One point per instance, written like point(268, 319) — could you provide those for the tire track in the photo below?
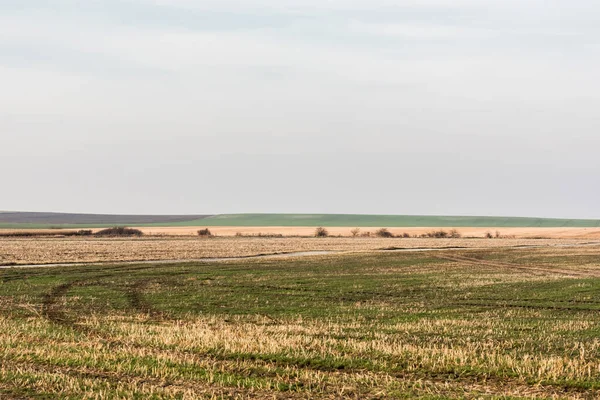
point(56, 312)
point(500, 264)
point(491, 384)
point(51, 307)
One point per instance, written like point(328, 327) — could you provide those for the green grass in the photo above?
point(356, 220)
point(351, 220)
point(395, 325)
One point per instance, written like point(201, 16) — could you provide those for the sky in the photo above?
point(430, 107)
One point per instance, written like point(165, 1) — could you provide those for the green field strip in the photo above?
point(355, 220)
point(342, 220)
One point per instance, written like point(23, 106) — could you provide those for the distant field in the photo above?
point(355, 220)
point(40, 220)
point(483, 324)
point(55, 220)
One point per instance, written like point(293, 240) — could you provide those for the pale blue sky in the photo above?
point(389, 107)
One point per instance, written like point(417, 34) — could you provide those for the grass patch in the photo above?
point(393, 325)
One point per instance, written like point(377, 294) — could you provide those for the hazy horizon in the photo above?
point(432, 107)
point(292, 213)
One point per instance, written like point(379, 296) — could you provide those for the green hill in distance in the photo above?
point(389, 221)
point(15, 220)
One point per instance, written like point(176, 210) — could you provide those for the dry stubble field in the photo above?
point(493, 322)
point(76, 250)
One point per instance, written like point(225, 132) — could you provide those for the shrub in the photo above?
point(321, 232)
point(436, 234)
point(269, 235)
point(406, 235)
point(488, 235)
point(205, 232)
point(83, 232)
point(119, 231)
point(355, 232)
point(454, 234)
point(384, 233)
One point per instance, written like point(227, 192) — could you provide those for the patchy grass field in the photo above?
point(488, 323)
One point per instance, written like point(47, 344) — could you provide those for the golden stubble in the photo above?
point(75, 250)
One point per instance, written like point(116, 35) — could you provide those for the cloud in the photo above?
point(379, 88)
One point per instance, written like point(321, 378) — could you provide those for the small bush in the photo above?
point(436, 234)
point(269, 235)
point(384, 233)
point(119, 231)
point(205, 232)
point(454, 234)
point(355, 232)
point(488, 235)
point(321, 232)
point(406, 235)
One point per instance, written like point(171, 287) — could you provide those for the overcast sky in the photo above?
point(462, 107)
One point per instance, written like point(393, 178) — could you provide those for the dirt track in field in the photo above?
point(69, 250)
point(520, 267)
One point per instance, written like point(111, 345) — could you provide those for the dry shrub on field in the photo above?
point(384, 233)
point(441, 234)
point(205, 232)
point(321, 232)
point(259, 234)
point(406, 235)
point(355, 232)
point(269, 235)
point(119, 231)
point(454, 234)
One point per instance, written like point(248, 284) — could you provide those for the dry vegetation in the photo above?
point(274, 231)
point(490, 323)
point(75, 249)
point(555, 233)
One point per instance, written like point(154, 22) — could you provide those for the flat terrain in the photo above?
point(291, 231)
point(518, 233)
point(77, 250)
point(48, 220)
point(390, 221)
point(15, 220)
point(487, 323)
